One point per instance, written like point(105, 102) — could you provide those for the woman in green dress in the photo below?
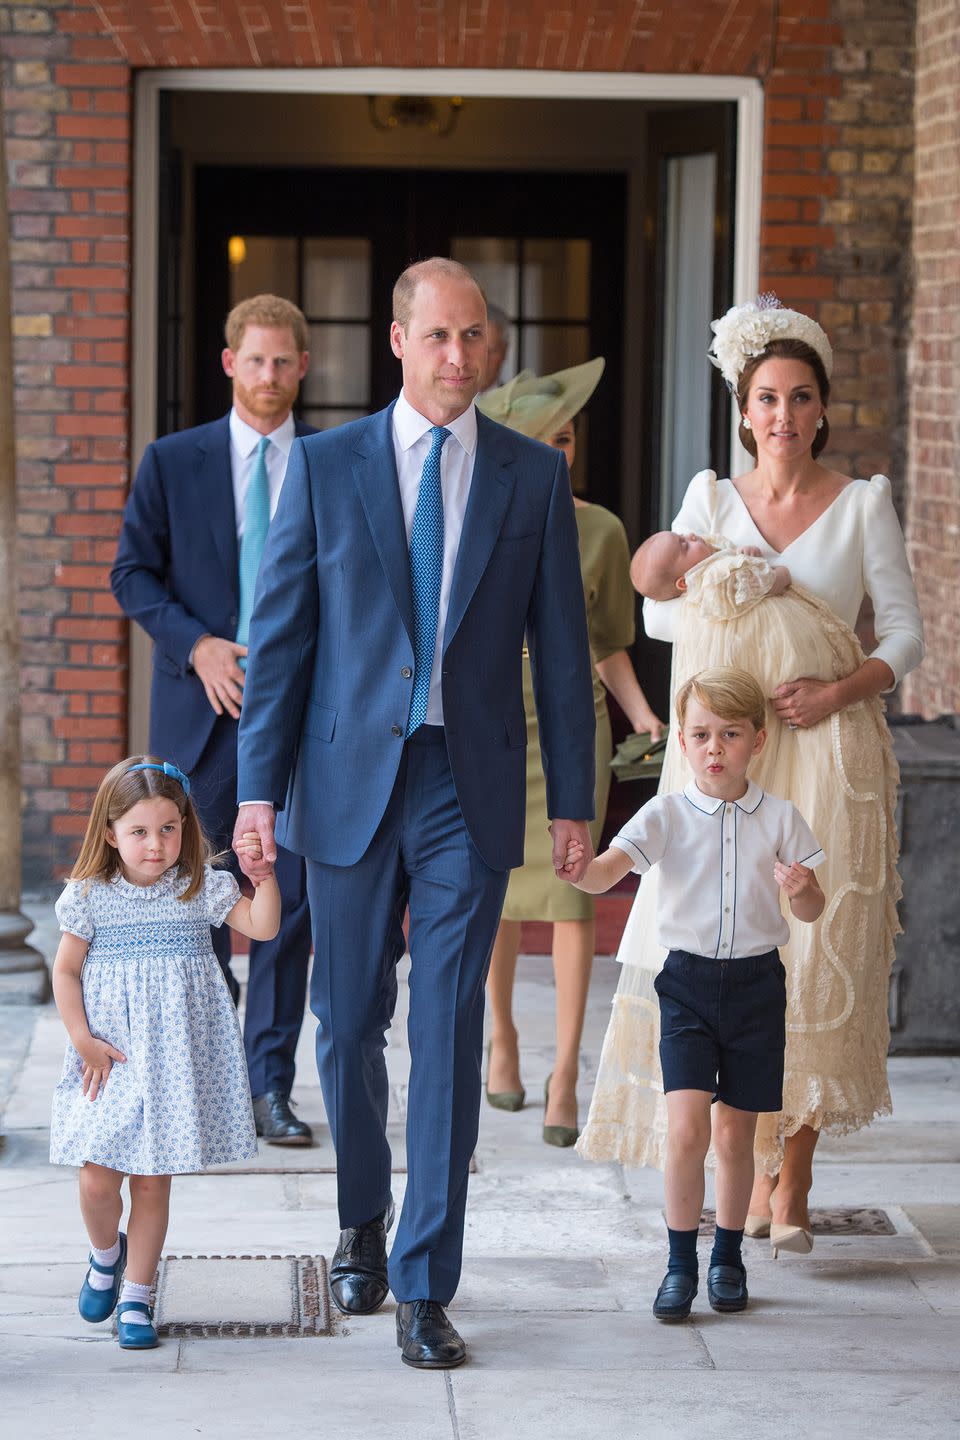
point(545, 407)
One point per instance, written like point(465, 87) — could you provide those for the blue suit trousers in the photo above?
point(422, 856)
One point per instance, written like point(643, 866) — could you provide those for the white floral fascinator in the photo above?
point(746, 331)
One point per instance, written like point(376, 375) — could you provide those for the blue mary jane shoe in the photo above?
point(135, 1334)
point(98, 1305)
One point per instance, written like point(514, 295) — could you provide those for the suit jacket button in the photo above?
point(233, 619)
point(395, 730)
point(406, 672)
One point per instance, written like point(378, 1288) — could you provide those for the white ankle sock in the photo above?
point(139, 1295)
point(103, 1257)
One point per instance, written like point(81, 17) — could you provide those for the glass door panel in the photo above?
point(691, 186)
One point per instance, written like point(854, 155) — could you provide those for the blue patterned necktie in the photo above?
point(426, 572)
point(256, 523)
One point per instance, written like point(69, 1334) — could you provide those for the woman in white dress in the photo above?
point(840, 538)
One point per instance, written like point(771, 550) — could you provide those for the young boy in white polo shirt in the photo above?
point(726, 849)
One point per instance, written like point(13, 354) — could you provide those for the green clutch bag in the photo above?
point(639, 758)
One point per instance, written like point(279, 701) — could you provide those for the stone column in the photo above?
point(23, 972)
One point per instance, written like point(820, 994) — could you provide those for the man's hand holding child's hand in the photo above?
point(250, 846)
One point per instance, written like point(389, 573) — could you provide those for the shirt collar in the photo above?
point(245, 439)
point(710, 804)
point(410, 426)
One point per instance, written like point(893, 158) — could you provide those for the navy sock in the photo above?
point(683, 1252)
point(726, 1247)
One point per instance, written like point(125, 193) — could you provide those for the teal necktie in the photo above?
point(256, 523)
point(426, 573)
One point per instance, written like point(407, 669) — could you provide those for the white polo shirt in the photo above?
point(717, 894)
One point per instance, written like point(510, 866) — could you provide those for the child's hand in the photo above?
point(250, 846)
point(98, 1059)
point(572, 858)
point(753, 550)
point(795, 879)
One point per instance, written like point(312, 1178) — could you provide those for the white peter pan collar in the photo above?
point(710, 804)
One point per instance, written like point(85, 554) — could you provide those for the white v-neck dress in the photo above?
point(840, 775)
point(854, 548)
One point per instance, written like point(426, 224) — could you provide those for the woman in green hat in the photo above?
point(544, 408)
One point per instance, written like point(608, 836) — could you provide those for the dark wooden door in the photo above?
point(548, 248)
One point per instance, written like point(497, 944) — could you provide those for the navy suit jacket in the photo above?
point(329, 677)
point(177, 574)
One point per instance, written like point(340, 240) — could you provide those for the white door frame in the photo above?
point(746, 93)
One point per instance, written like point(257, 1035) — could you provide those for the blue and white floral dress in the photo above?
point(153, 989)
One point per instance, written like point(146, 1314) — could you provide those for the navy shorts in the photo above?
point(723, 1027)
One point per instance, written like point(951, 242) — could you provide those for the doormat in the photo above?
point(226, 1296)
point(841, 1220)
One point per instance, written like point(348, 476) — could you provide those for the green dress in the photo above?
point(534, 892)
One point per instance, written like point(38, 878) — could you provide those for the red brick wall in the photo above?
point(66, 96)
point(934, 514)
point(835, 227)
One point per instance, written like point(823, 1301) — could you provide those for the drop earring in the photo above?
point(745, 422)
point(820, 423)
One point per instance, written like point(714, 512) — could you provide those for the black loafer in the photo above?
point(727, 1287)
point(358, 1275)
point(276, 1122)
point(426, 1338)
point(675, 1296)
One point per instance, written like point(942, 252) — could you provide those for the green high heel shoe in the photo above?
point(503, 1099)
point(562, 1136)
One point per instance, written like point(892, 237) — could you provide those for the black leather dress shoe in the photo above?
point(675, 1296)
point(358, 1275)
point(727, 1287)
point(426, 1338)
point(276, 1122)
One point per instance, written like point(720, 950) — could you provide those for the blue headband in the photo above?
point(165, 769)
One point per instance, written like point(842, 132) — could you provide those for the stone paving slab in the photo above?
point(939, 1284)
point(830, 1343)
point(696, 1404)
point(940, 1227)
point(398, 1404)
point(897, 1142)
point(509, 1284)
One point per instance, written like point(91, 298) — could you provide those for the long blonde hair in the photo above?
point(122, 788)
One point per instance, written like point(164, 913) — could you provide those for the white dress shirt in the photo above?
point(411, 446)
point(243, 450)
point(855, 547)
point(717, 894)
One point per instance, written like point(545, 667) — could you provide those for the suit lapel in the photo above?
point(491, 490)
point(215, 494)
point(375, 472)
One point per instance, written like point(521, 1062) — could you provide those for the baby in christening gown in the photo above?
point(740, 610)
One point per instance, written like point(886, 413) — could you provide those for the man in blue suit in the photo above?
point(383, 719)
point(193, 534)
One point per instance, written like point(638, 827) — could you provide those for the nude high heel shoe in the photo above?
point(790, 1237)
